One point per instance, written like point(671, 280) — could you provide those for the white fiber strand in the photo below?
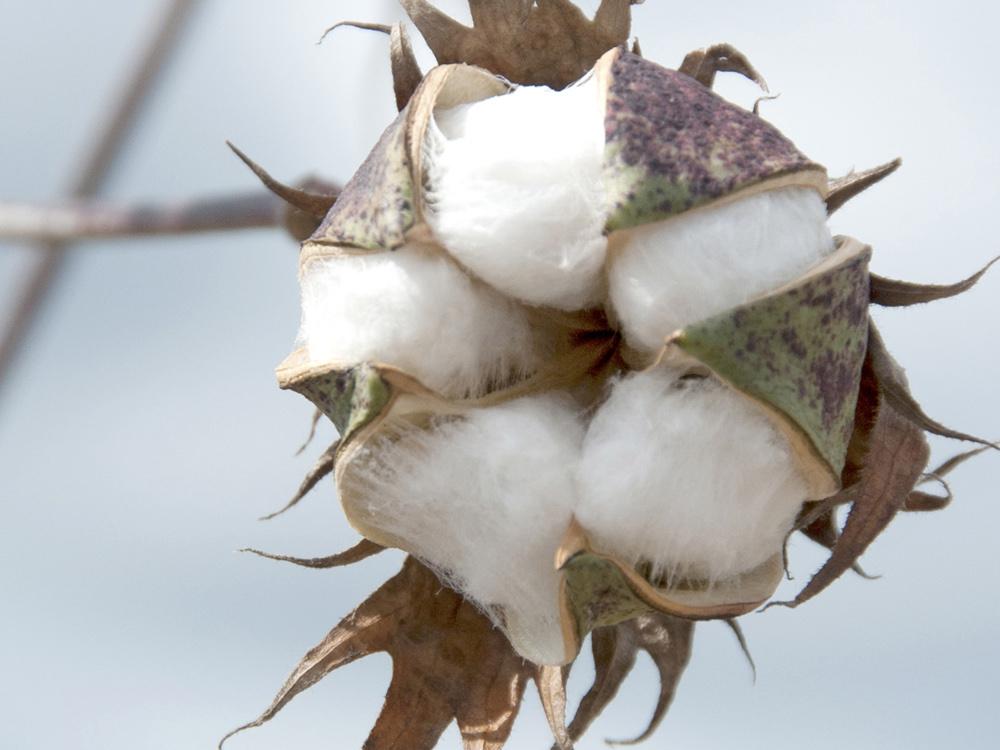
point(485, 501)
point(688, 268)
point(418, 312)
point(688, 475)
point(516, 192)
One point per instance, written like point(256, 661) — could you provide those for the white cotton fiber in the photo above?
point(485, 501)
point(688, 475)
point(676, 272)
point(418, 312)
point(516, 192)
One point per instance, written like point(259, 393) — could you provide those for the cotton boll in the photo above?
point(485, 501)
point(673, 273)
point(688, 475)
point(418, 312)
point(516, 192)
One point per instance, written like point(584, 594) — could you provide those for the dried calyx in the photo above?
point(593, 356)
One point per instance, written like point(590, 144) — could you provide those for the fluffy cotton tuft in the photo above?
point(420, 313)
point(688, 475)
point(485, 501)
point(676, 272)
point(516, 192)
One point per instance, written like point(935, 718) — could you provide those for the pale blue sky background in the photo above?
point(142, 433)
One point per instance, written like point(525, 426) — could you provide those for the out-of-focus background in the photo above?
point(142, 433)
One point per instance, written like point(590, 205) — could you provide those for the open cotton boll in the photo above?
point(485, 501)
point(418, 312)
point(688, 475)
point(516, 193)
point(676, 272)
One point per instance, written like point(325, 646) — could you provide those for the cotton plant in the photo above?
point(593, 356)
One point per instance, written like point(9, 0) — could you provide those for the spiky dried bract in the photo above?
point(448, 663)
point(535, 42)
point(843, 189)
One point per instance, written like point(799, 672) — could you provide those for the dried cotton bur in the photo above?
point(593, 356)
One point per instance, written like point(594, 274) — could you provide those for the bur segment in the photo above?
point(799, 351)
point(375, 209)
point(351, 398)
point(673, 145)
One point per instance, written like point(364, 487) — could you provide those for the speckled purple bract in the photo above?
point(673, 144)
point(799, 350)
point(375, 209)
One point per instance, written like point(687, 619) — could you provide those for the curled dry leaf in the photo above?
point(668, 641)
point(703, 64)
point(897, 453)
point(360, 551)
point(922, 502)
point(324, 466)
point(406, 73)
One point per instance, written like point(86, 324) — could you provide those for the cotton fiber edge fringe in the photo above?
point(485, 500)
point(516, 192)
point(688, 475)
point(676, 272)
point(418, 312)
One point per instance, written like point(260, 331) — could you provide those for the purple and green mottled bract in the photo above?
point(672, 145)
point(799, 350)
point(351, 398)
point(375, 209)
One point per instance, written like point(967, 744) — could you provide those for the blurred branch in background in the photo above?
point(94, 173)
point(83, 220)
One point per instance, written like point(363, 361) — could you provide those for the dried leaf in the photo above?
point(406, 72)
point(923, 502)
point(360, 551)
point(897, 455)
point(741, 639)
point(668, 640)
point(893, 386)
point(323, 466)
point(449, 662)
point(703, 64)
point(548, 42)
point(615, 650)
point(926, 502)
point(313, 204)
point(893, 293)
point(314, 423)
point(844, 188)
point(825, 532)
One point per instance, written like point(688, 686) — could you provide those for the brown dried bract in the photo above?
point(703, 64)
point(536, 42)
point(448, 662)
